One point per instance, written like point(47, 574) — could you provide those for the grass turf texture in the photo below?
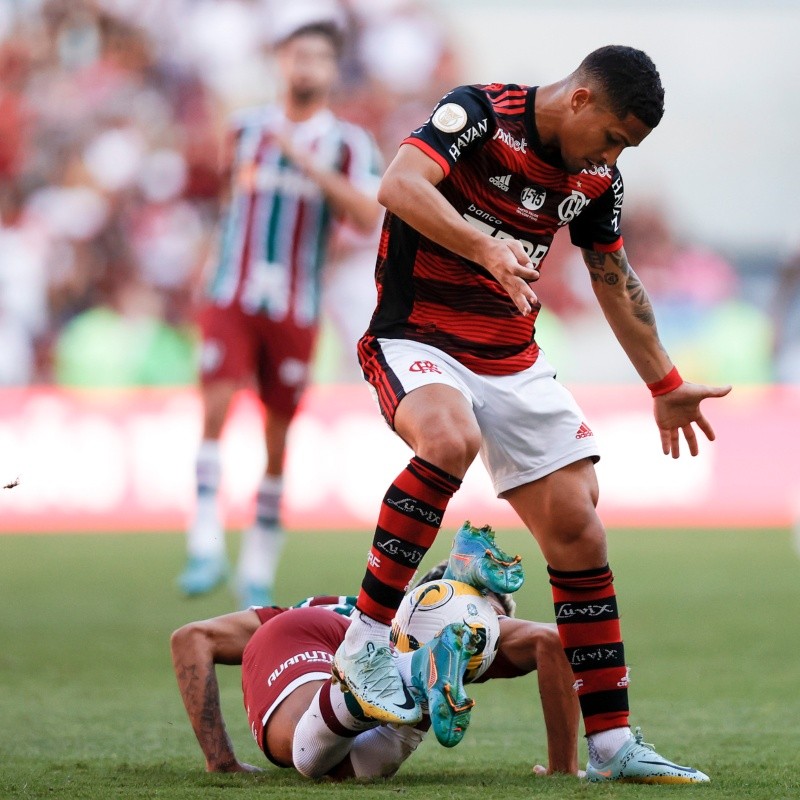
point(89, 707)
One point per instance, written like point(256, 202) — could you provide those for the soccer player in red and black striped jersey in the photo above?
point(474, 198)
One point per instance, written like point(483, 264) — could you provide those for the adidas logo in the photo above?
point(501, 182)
point(584, 431)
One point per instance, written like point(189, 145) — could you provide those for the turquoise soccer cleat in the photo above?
point(202, 575)
point(476, 559)
point(254, 594)
point(637, 762)
point(372, 677)
point(437, 671)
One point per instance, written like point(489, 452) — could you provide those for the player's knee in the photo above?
point(311, 760)
point(450, 445)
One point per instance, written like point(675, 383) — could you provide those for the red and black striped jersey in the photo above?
point(499, 177)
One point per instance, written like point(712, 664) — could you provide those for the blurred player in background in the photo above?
point(474, 198)
point(293, 169)
point(301, 718)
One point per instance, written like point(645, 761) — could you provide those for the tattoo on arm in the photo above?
point(594, 260)
point(201, 697)
point(642, 308)
point(212, 725)
point(610, 268)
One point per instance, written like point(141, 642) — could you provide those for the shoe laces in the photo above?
point(639, 738)
point(378, 671)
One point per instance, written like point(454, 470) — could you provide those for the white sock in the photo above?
point(404, 666)
point(205, 537)
point(260, 554)
point(364, 629)
point(268, 501)
point(326, 731)
point(604, 745)
point(380, 752)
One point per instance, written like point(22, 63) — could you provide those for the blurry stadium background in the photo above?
point(110, 118)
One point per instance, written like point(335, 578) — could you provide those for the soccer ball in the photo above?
point(432, 606)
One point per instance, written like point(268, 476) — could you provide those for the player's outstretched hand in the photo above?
point(679, 411)
point(509, 263)
point(233, 766)
point(541, 772)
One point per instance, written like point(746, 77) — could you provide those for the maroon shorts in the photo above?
point(239, 346)
point(288, 650)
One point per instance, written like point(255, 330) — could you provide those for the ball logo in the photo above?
point(533, 198)
point(431, 596)
point(450, 118)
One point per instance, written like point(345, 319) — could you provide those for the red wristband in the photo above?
point(671, 381)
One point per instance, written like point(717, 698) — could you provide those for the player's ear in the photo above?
point(580, 98)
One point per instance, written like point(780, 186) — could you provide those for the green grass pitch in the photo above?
point(89, 707)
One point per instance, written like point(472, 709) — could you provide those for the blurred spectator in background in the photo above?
point(111, 115)
point(786, 318)
point(107, 194)
point(696, 294)
point(292, 167)
point(398, 61)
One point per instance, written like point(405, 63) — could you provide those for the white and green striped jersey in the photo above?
point(275, 231)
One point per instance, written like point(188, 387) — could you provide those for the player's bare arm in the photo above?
point(408, 189)
point(359, 208)
point(196, 649)
point(536, 646)
point(627, 308)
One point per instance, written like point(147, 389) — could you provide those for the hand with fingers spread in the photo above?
point(232, 766)
point(679, 411)
point(508, 262)
point(540, 771)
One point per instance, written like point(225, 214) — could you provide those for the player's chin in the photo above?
point(574, 166)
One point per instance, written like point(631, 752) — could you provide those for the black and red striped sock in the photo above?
point(410, 518)
point(588, 624)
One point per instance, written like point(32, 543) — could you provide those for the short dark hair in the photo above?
point(629, 80)
point(435, 574)
point(330, 30)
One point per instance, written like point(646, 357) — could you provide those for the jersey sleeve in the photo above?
point(266, 613)
point(462, 121)
point(598, 227)
point(339, 604)
point(361, 161)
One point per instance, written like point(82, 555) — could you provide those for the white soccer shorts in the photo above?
point(530, 424)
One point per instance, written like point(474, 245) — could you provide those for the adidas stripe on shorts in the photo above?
point(530, 424)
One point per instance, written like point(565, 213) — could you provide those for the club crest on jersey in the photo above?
point(571, 206)
point(450, 118)
point(533, 197)
point(424, 366)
